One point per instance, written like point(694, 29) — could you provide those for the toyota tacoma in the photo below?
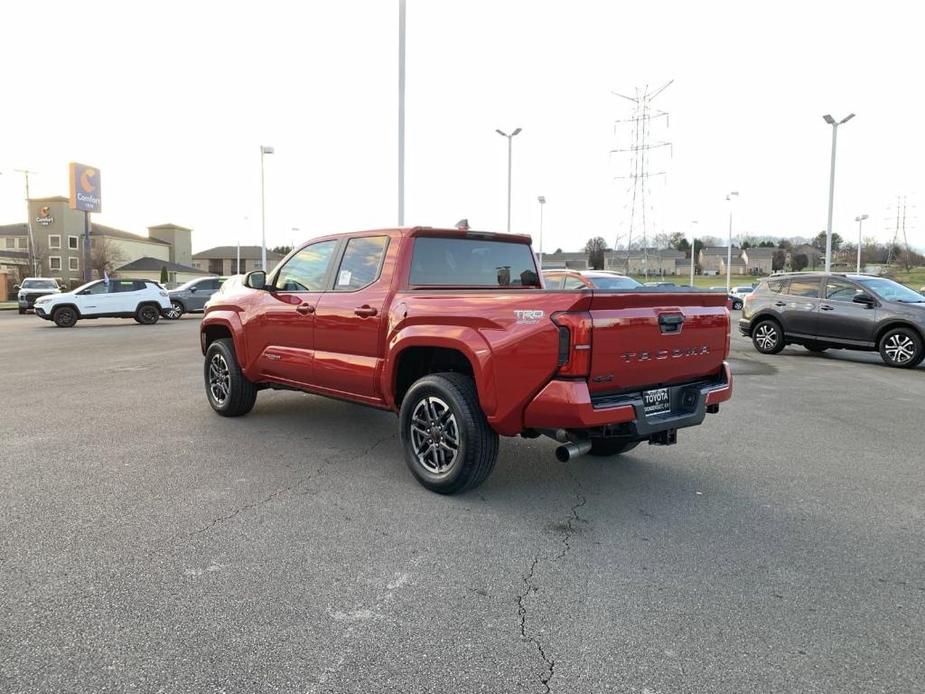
point(453, 331)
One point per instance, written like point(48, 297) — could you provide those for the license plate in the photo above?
point(656, 401)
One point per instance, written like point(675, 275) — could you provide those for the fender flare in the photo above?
point(462, 339)
point(231, 321)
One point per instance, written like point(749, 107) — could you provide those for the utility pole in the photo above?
point(510, 139)
point(860, 220)
point(693, 247)
point(401, 112)
point(32, 253)
point(729, 198)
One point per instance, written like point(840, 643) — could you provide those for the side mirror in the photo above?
point(16, 286)
point(256, 279)
point(865, 299)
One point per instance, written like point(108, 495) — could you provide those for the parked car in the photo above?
point(592, 279)
point(660, 284)
point(31, 289)
point(192, 296)
point(841, 311)
point(449, 328)
point(734, 302)
point(143, 300)
point(742, 291)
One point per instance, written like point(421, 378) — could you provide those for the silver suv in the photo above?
point(192, 296)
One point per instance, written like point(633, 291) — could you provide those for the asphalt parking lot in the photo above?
point(147, 544)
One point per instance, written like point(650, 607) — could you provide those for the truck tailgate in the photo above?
point(642, 339)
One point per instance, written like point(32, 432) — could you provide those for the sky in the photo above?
point(172, 100)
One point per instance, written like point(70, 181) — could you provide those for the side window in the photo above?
point(808, 288)
point(306, 270)
point(776, 286)
point(121, 286)
point(574, 283)
point(361, 263)
point(98, 288)
point(553, 281)
point(840, 290)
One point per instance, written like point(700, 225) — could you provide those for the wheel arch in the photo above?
point(65, 305)
point(892, 323)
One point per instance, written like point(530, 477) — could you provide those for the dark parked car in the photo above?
point(192, 296)
point(734, 302)
point(840, 311)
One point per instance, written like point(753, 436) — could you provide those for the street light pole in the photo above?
point(542, 200)
point(510, 139)
point(693, 248)
point(828, 229)
point(729, 197)
point(401, 112)
point(264, 150)
point(860, 220)
point(32, 253)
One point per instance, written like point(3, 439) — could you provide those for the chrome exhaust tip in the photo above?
point(569, 451)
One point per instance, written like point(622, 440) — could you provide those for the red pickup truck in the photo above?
point(453, 331)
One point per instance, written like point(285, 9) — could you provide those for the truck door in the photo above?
point(349, 319)
point(282, 325)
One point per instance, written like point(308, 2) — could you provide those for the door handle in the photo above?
point(781, 304)
point(365, 311)
point(826, 307)
point(305, 309)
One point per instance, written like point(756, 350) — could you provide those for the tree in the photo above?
point(784, 244)
point(766, 244)
point(819, 241)
point(104, 255)
point(778, 260)
point(165, 278)
point(679, 242)
point(746, 244)
point(558, 250)
point(799, 262)
point(281, 250)
point(595, 248)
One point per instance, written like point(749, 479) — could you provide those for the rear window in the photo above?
point(472, 262)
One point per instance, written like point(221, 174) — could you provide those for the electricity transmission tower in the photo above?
point(900, 229)
point(639, 209)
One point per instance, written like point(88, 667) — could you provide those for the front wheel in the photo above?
point(448, 443)
point(64, 317)
point(612, 446)
point(767, 337)
point(175, 311)
point(148, 314)
point(902, 348)
point(227, 388)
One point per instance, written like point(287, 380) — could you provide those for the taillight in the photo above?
point(574, 342)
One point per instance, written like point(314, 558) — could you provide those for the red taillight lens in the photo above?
point(574, 342)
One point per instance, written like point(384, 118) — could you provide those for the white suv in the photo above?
point(143, 300)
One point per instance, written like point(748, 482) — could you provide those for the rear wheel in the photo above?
point(148, 314)
point(21, 310)
point(448, 443)
point(227, 388)
point(902, 348)
point(768, 337)
point(608, 447)
point(64, 317)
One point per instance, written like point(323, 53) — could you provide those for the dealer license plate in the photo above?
point(656, 401)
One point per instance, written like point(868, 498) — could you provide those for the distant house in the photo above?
point(713, 260)
point(149, 268)
point(639, 261)
point(759, 261)
point(221, 260)
point(577, 260)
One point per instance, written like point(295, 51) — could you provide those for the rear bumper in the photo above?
point(745, 327)
point(568, 405)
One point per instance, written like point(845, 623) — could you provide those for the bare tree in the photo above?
point(595, 248)
point(105, 255)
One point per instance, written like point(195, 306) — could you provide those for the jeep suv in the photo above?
point(837, 311)
point(143, 300)
point(192, 296)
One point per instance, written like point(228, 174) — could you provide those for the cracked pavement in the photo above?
point(148, 545)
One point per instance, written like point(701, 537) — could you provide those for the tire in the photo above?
point(227, 389)
point(613, 446)
point(22, 311)
point(768, 337)
point(817, 349)
point(737, 306)
point(901, 348)
point(64, 316)
point(450, 404)
point(175, 311)
point(147, 314)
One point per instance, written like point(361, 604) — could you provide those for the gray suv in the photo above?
point(192, 296)
point(839, 311)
